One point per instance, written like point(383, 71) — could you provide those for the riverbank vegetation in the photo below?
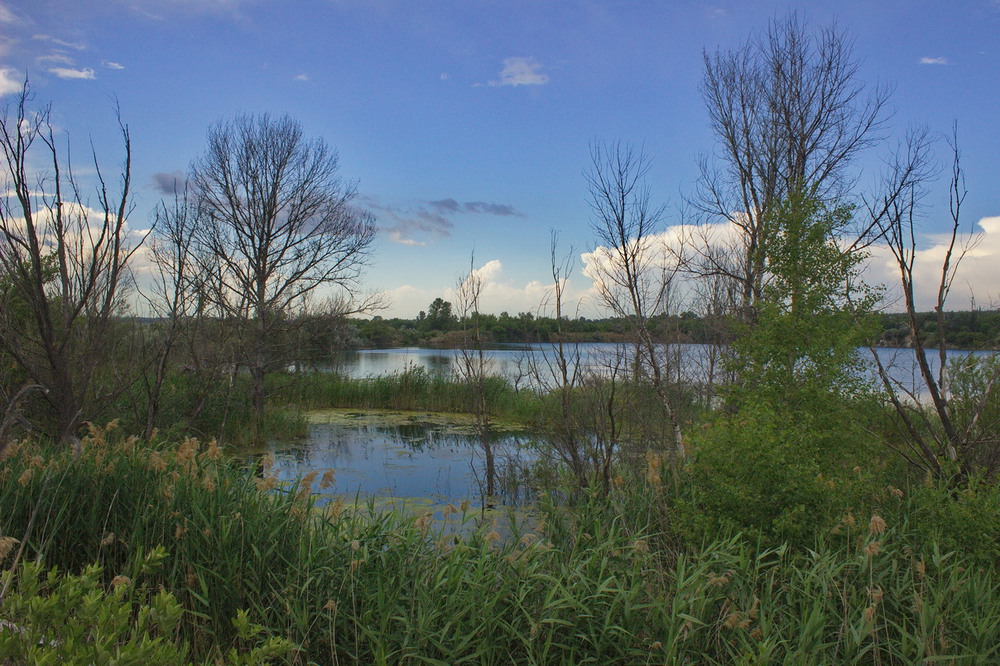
point(219, 564)
point(774, 505)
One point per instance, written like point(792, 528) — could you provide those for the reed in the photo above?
point(601, 579)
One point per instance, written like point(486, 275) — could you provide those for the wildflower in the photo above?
point(37, 461)
point(330, 606)
point(876, 594)
point(493, 536)
point(120, 580)
point(757, 634)
point(465, 506)
point(109, 538)
point(656, 645)
point(921, 568)
point(355, 544)
point(870, 613)
point(895, 492)
point(208, 483)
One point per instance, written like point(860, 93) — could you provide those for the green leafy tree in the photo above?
point(781, 460)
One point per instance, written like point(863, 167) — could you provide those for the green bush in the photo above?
point(790, 477)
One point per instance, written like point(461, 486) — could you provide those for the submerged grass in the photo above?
point(601, 580)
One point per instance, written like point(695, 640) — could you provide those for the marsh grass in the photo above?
point(412, 389)
point(601, 579)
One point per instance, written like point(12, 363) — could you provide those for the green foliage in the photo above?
point(814, 313)
point(53, 618)
point(265, 576)
point(789, 476)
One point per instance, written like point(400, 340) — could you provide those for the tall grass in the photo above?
point(412, 389)
point(599, 581)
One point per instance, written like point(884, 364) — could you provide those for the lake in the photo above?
point(434, 460)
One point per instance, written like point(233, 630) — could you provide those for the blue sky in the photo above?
point(466, 124)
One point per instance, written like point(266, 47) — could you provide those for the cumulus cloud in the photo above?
point(978, 275)
point(11, 81)
point(70, 73)
point(521, 72)
point(502, 294)
point(926, 60)
point(112, 65)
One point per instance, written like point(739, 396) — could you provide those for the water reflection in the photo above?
point(385, 455)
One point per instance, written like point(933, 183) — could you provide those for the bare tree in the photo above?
point(65, 258)
point(474, 367)
point(277, 224)
point(789, 114)
point(944, 440)
point(175, 291)
point(633, 270)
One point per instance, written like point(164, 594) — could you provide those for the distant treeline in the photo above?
point(975, 329)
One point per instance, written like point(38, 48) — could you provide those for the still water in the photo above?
point(435, 460)
point(394, 457)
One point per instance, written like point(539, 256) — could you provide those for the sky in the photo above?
point(467, 124)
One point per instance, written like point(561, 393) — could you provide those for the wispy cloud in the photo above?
point(112, 65)
point(521, 72)
point(301, 77)
point(11, 81)
point(54, 59)
point(7, 16)
point(423, 222)
point(926, 60)
point(60, 42)
point(70, 73)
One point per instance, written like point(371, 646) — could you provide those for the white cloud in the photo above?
point(521, 72)
point(978, 274)
point(112, 65)
point(7, 16)
point(933, 61)
point(69, 73)
point(54, 59)
point(60, 42)
point(444, 76)
point(301, 77)
point(11, 81)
